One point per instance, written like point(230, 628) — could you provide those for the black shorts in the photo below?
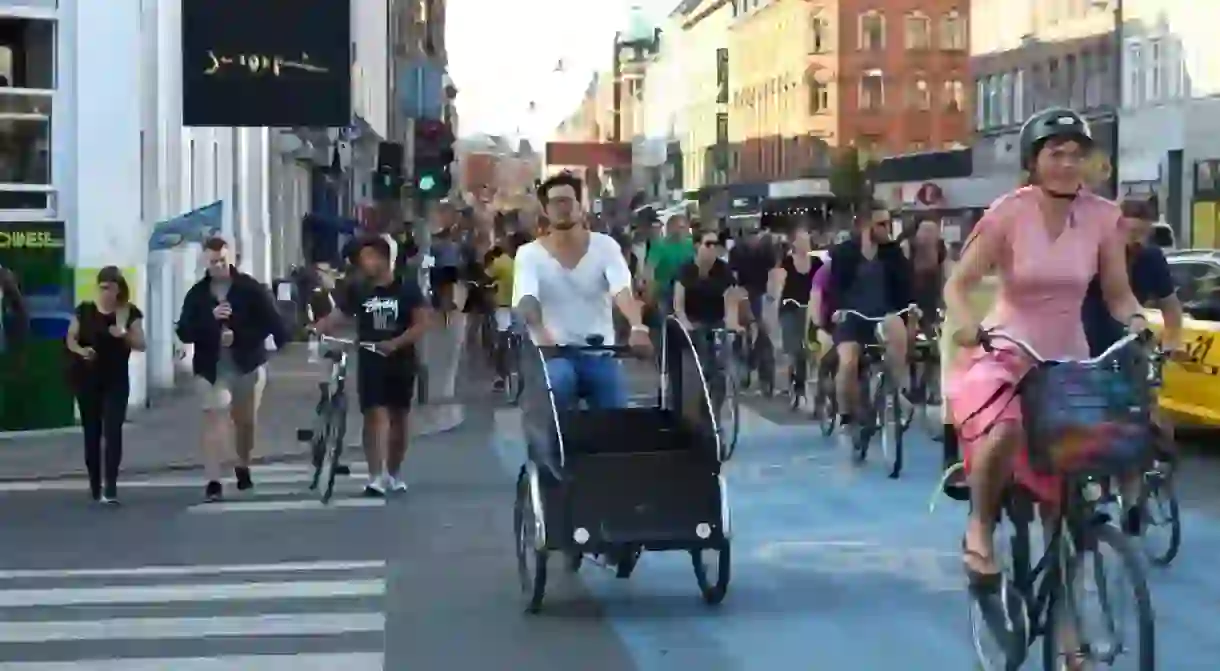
point(385, 383)
point(855, 329)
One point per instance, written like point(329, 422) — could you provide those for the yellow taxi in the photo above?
point(1191, 393)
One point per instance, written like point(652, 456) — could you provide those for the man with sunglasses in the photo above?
point(869, 274)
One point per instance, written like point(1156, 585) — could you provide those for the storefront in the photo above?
point(937, 185)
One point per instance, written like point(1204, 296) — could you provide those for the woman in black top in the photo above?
point(101, 338)
point(706, 296)
point(702, 292)
point(792, 280)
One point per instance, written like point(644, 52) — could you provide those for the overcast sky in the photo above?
point(502, 57)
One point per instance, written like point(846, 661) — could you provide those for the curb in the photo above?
point(182, 466)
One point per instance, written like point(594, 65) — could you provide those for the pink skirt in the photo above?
point(980, 394)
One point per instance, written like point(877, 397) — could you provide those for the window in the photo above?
point(955, 95)
point(980, 103)
point(1054, 86)
point(819, 96)
point(920, 97)
point(869, 147)
point(27, 92)
point(1135, 75)
point(819, 34)
point(1005, 101)
point(953, 32)
point(872, 31)
point(993, 100)
point(1018, 96)
point(918, 31)
point(1071, 82)
point(1156, 79)
point(872, 91)
point(1198, 285)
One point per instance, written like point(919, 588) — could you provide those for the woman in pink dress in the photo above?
point(1044, 242)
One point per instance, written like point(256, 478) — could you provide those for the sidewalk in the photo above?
point(166, 436)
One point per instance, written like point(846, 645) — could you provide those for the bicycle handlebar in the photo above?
point(987, 338)
point(793, 301)
point(347, 342)
point(840, 314)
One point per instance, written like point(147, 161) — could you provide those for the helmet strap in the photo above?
point(1061, 196)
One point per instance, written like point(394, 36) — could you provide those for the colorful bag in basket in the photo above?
point(1085, 419)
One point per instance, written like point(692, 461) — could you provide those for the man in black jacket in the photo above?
point(228, 317)
point(869, 274)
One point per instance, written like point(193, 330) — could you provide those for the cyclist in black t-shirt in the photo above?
point(392, 313)
point(705, 297)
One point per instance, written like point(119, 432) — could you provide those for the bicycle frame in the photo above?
point(1042, 583)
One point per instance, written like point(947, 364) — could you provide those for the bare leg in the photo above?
point(991, 467)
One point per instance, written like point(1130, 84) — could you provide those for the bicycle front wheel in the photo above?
point(1161, 518)
point(728, 419)
point(337, 421)
point(1095, 636)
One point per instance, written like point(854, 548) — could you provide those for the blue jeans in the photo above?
point(597, 378)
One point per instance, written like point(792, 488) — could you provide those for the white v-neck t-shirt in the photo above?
point(576, 303)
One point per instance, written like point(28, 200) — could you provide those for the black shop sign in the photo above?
point(274, 63)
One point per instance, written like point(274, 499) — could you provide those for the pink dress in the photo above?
point(1042, 285)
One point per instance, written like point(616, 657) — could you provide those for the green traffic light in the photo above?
point(427, 183)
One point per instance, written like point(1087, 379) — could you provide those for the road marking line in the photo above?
point(163, 628)
point(250, 591)
point(167, 482)
point(196, 569)
point(282, 505)
point(352, 661)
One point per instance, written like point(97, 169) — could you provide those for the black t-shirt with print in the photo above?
point(384, 312)
point(705, 293)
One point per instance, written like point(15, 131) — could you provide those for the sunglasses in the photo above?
point(711, 243)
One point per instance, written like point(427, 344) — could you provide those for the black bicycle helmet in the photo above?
point(1054, 123)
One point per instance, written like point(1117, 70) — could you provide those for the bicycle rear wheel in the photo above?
point(1067, 627)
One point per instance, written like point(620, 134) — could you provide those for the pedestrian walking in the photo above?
point(228, 316)
point(14, 326)
point(101, 337)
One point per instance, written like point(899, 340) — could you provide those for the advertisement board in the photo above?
point(253, 63)
point(34, 393)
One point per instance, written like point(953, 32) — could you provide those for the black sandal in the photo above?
point(980, 582)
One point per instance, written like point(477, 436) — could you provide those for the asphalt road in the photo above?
point(834, 567)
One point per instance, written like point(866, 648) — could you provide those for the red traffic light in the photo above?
point(431, 128)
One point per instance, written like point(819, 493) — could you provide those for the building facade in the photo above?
point(1028, 55)
point(704, 54)
point(1169, 124)
point(887, 77)
point(96, 150)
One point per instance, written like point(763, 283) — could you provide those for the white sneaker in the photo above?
point(393, 484)
point(375, 487)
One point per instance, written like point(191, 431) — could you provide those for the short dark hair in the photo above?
point(1143, 208)
point(112, 275)
point(377, 243)
point(215, 244)
point(561, 179)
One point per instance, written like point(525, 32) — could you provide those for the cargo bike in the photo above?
point(610, 484)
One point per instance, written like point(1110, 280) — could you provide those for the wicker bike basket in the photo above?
point(1086, 420)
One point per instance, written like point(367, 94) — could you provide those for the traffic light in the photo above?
point(388, 179)
point(433, 157)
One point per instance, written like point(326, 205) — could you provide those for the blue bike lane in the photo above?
point(837, 566)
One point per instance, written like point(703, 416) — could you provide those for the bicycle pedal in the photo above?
point(304, 435)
